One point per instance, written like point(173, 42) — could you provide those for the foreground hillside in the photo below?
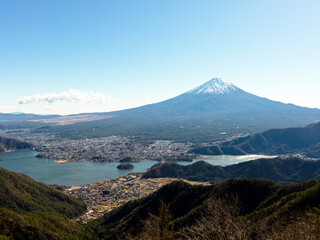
point(32, 210)
point(234, 209)
point(282, 170)
point(40, 226)
point(304, 140)
point(21, 193)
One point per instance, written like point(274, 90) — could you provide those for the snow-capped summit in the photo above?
point(215, 86)
point(204, 112)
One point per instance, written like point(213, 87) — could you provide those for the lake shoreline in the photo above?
point(62, 172)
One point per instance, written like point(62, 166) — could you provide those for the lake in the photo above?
point(77, 173)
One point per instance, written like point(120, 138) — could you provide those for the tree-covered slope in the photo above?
point(41, 226)
point(33, 210)
point(21, 193)
point(13, 144)
point(282, 170)
point(304, 140)
point(255, 206)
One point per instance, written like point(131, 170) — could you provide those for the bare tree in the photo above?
point(306, 226)
point(221, 221)
point(157, 227)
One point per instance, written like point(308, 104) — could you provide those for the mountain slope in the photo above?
point(218, 97)
point(304, 140)
point(197, 115)
point(288, 170)
point(21, 193)
point(33, 210)
point(13, 144)
point(262, 205)
point(41, 226)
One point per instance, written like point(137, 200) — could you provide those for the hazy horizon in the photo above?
point(48, 96)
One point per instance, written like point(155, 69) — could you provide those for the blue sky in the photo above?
point(139, 52)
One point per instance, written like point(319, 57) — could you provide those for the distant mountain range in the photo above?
point(217, 109)
point(304, 140)
point(19, 116)
point(282, 170)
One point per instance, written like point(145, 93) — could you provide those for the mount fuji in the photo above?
point(218, 97)
point(217, 109)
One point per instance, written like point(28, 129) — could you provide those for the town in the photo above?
point(104, 196)
point(104, 149)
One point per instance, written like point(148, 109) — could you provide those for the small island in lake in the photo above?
point(125, 166)
point(41, 155)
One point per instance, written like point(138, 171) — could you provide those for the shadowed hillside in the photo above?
point(304, 140)
point(21, 193)
point(33, 210)
point(282, 170)
point(41, 226)
point(13, 144)
point(250, 208)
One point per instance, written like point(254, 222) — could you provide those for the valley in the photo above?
point(105, 196)
point(160, 120)
point(168, 146)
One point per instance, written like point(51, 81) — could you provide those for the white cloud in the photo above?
point(72, 96)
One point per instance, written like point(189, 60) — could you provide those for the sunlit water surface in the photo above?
point(76, 173)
